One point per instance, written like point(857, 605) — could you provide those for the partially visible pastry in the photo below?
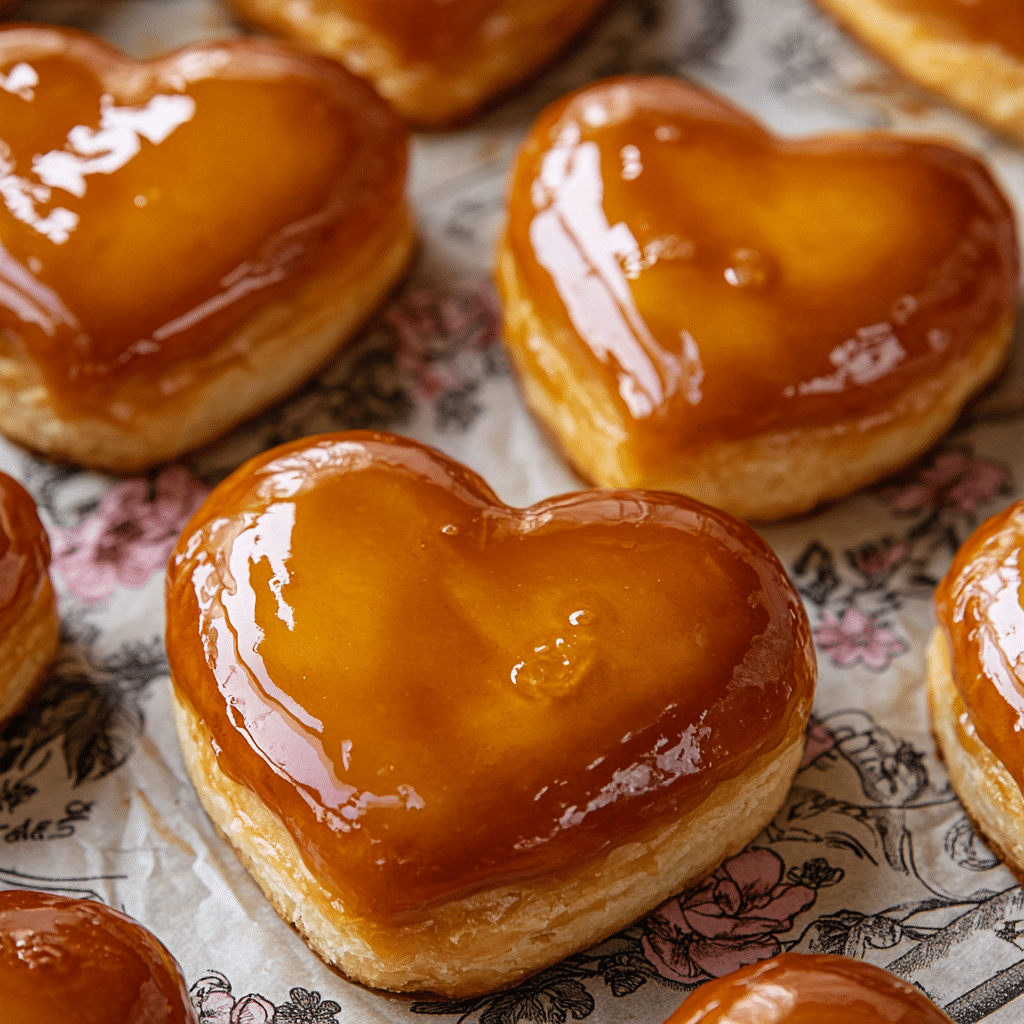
point(969, 51)
point(797, 988)
point(185, 240)
point(435, 61)
point(455, 741)
point(976, 680)
point(29, 625)
point(695, 305)
point(73, 961)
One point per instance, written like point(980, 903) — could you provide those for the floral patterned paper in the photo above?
point(871, 855)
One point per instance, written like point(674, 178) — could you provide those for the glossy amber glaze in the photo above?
point(437, 693)
point(984, 21)
point(428, 30)
point(980, 607)
point(797, 988)
point(68, 961)
point(24, 552)
point(149, 210)
point(724, 283)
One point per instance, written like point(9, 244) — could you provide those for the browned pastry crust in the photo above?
point(284, 344)
point(511, 41)
point(987, 790)
point(494, 938)
point(764, 477)
point(982, 78)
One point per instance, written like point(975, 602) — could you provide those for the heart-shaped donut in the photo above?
point(78, 961)
point(802, 988)
point(455, 741)
point(695, 305)
point(970, 51)
point(976, 680)
point(184, 240)
point(29, 623)
point(435, 61)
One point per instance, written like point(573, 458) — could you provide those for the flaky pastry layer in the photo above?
point(518, 37)
point(764, 477)
point(27, 649)
point(989, 793)
point(493, 938)
point(982, 78)
point(266, 358)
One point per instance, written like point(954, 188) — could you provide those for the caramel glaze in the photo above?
point(1000, 22)
point(24, 552)
point(148, 210)
point(725, 283)
point(67, 961)
point(440, 31)
point(797, 988)
point(438, 693)
point(980, 608)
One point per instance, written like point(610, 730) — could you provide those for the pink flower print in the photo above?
point(728, 921)
point(253, 1009)
point(875, 560)
point(212, 997)
point(129, 535)
point(955, 482)
point(819, 741)
point(856, 637)
point(435, 326)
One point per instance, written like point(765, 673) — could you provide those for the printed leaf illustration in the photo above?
point(814, 573)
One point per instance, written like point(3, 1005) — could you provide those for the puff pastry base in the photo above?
point(989, 793)
point(764, 477)
point(981, 78)
point(265, 359)
point(516, 38)
point(494, 938)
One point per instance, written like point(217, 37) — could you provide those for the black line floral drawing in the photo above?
point(213, 999)
point(857, 593)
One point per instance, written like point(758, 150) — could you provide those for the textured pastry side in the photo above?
point(983, 78)
point(279, 348)
point(771, 476)
point(491, 939)
point(986, 789)
point(428, 85)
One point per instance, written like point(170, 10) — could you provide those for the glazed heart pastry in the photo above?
point(29, 623)
point(435, 61)
point(800, 988)
point(182, 241)
point(75, 961)
point(695, 305)
point(455, 741)
point(976, 680)
point(970, 51)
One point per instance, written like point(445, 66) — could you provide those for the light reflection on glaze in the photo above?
point(79, 962)
point(138, 231)
point(462, 662)
point(278, 727)
point(796, 988)
point(979, 606)
point(725, 283)
point(87, 151)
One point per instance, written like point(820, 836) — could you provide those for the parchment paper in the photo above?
point(871, 856)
